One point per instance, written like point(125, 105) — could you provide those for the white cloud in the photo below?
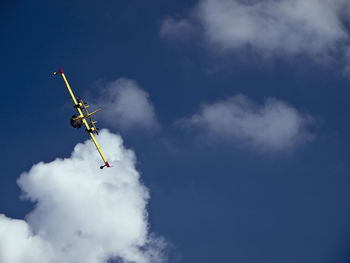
point(272, 126)
point(126, 106)
point(315, 28)
point(82, 213)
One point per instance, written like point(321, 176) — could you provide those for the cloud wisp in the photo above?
point(274, 126)
point(286, 28)
point(177, 29)
point(126, 106)
point(82, 213)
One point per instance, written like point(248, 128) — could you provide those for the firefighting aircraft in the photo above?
point(78, 120)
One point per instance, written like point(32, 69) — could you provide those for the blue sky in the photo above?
point(242, 136)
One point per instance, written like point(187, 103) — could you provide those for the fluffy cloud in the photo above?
point(316, 28)
point(126, 106)
point(272, 126)
point(82, 213)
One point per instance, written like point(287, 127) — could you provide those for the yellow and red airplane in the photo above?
point(78, 120)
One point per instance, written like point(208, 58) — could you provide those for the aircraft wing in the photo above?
point(79, 105)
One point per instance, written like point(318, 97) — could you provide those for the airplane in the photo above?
point(77, 121)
